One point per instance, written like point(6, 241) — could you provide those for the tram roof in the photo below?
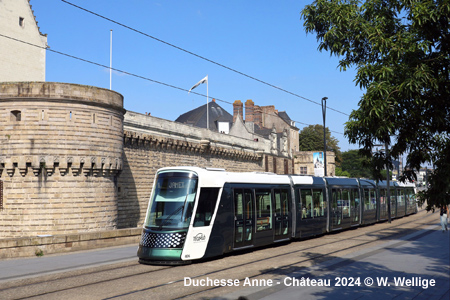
point(341, 181)
point(302, 179)
point(383, 183)
point(216, 177)
point(367, 182)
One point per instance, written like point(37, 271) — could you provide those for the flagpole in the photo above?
point(207, 108)
point(110, 60)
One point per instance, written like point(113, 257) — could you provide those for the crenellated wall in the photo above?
point(61, 150)
point(72, 162)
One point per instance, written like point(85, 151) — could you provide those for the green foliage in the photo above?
point(355, 164)
point(311, 139)
point(39, 252)
point(401, 51)
point(339, 172)
point(358, 166)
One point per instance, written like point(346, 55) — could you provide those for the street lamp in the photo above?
point(324, 112)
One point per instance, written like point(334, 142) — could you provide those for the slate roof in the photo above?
point(197, 117)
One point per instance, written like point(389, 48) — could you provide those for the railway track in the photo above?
point(130, 280)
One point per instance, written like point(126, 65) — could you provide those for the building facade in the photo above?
point(20, 61)
point(304, 163)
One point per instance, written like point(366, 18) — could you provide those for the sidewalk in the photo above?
point(416, 266)
point(22, 268)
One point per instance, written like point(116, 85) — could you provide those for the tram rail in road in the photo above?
point(121, 277)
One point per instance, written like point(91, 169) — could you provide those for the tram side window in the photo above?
point(281, 202)
point(319, 206)
point(373, 199)
point(369, 199)
point(400, 198)
point(355, 198)
point(366, 199)
point(263, 210)
point(239, 208)
point(411, 196)
point(307, 203)
point(383, 196)
point(345, 203)
point(206, 205)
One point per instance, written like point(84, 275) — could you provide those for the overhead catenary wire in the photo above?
point(199, 56)
point(131, 74)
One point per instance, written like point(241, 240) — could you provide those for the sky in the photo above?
point(262, 39)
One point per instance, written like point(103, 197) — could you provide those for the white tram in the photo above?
point(196, 213)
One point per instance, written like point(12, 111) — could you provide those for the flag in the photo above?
point(200, 82)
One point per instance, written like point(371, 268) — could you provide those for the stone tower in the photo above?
point(61, 150)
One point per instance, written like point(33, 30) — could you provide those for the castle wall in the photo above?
point(60, 153)
point(71, 162)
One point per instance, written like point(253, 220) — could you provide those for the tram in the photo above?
point(196, 213)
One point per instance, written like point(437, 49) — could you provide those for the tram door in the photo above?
point(243, 218)
point(281, 214)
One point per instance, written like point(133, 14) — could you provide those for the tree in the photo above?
point(355, 164)
point(339, 172)
point(311, 139)
point(400, 49)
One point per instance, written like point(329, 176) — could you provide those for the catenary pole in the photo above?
point(324, 112)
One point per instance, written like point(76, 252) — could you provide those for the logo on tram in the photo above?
point(200, 237)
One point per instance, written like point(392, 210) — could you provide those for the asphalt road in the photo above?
point(407, 249)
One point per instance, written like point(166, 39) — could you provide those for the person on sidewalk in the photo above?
point(444, 215)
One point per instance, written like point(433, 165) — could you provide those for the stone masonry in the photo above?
point(60, 153)
point(71, 162)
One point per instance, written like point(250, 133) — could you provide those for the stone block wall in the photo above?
point(304, 163)
point(70, 162)
point(60, 154)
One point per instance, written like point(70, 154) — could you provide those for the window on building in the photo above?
point(303, 170)
point(16, 115)
point(21, 22)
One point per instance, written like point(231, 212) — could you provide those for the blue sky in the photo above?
point(264, 39)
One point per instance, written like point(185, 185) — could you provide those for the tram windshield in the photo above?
point(172, 202)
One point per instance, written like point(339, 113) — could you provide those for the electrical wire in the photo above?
point(199, 56)
point(132, 74)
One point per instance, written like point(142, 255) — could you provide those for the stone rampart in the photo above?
point(61, 150)
point(71, 163)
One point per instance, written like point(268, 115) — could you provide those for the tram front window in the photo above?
point(172, 202)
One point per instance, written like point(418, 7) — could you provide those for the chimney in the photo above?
point(237, 109)
point(249, 105)
point(257, 115)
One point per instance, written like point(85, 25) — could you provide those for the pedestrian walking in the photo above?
point(444, 216)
